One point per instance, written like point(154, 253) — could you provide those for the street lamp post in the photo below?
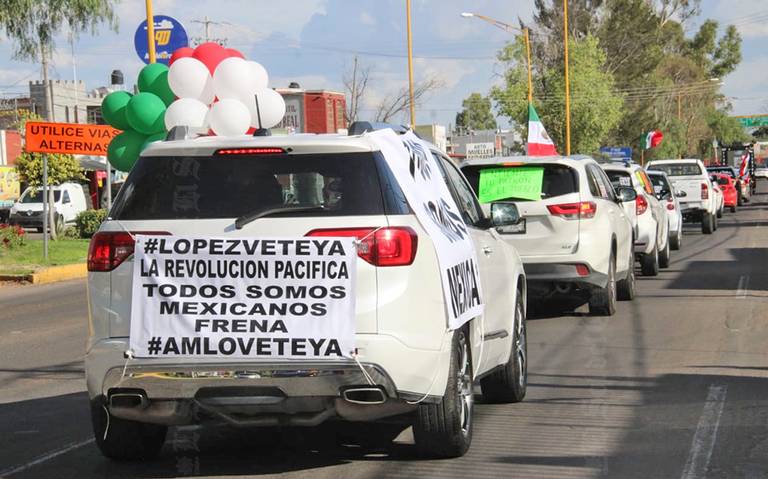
point(567, 83)
point(511, 28)
point(410, 65)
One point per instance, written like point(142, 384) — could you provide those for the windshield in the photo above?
point(619, 178)
point(724, 170)
point(677, 169)
point(660, 184)
point(556, 180)
point(37, 197)
point(228, 187)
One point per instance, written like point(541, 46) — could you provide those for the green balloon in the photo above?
point(152, 139)
point(146, 113)
point(153, 78)
point(113, 108)
point(124, 149)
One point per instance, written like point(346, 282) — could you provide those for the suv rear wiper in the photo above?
point(260, 213)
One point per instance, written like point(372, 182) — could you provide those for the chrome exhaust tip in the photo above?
point(369, 395)
point(128, 400)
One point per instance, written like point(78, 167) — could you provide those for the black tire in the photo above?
point(733, 209)
point(602, 301)
point(649, 263)
point(707, 223)
point(625, 289)
point(676, 242)
point(509, 383)
point(714, 222)
point(39, 230)
point(739, 197)
point(664, 256)
point(126, 440)
point(444, 429)
point(720, 212)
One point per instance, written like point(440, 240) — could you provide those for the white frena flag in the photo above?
point(539, 142)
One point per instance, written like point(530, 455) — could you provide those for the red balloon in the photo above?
point(181, 53)
point(235, 53)
point(211, 54)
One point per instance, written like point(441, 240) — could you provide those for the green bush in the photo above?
point(69, 232)
point(88, 222)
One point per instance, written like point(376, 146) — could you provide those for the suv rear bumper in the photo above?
point(543, 275)
point(261, 393)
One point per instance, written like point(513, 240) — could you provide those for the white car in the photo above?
point(409, 366)
point(719, 198)
point(68, 201)
point(575, 236)
point(649, 218)
point(690, 176)
point(668, 197)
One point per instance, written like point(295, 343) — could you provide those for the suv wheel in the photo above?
point(602, 302)
point(508, 384)
point(625, 289)
point(676, 242)
point(664, 256)
point(707, 223)
point(739, 196)
point(720, 212)
point(714, 222)
point(126, 440)
point(733, 209)
point(649, 263)
point(444, 429)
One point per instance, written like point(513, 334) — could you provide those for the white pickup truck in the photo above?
point(690, 180)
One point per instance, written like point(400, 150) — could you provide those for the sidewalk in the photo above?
point(51, 274)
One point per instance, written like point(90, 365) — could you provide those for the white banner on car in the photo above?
point(243, 298)
point(421, 180)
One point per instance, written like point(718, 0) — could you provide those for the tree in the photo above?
point(761, 133)
point(476, 114)
point(595, 106)
point(32, 25)
point(355, 84)
point(400, 101)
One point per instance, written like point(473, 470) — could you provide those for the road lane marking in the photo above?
point(743, 288)
point(44, 458)
point(706, 433)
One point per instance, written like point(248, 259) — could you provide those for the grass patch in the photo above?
point(29, 257)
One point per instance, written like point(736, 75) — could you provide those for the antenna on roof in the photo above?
point(260, 131)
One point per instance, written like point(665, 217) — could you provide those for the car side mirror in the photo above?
point(626, 194)
point(504, 214)
point(665, 195)
point(681, 194)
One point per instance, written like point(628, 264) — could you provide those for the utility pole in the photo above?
point(48, 91)
point(207, 22)
point(410, 64)
point(353, 100)
point(567, 83)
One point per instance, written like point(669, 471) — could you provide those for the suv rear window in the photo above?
point(659, 184)
point(677, 169)
point(557, 180)
point(619, 178)
point(228, 187)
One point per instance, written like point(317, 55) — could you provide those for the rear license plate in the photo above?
point(517, 229)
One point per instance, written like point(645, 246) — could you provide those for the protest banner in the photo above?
point(246, 298)
point(419, 176)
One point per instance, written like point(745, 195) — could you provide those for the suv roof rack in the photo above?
point(360, 127)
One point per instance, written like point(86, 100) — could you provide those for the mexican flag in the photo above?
point(651, 139)
point(539, 143)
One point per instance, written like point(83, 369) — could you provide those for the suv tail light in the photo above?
point(670, 204)
point(641, 205)
point(388, 246)
point(704, 191)
point(572, 211)
point(108, 249)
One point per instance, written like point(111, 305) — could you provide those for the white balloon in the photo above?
point(229, 117)
point(271, 108)
point(189, 78)
point(259, 73)
point(188, 112)
point(233, 79)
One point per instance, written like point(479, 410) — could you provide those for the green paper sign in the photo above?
point(521, 182)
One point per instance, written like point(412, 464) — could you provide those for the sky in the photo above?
point(313, 42)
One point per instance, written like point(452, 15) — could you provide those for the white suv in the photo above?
point(576, 235)
point(410, 365)
point(648, 216)
point(690, 178)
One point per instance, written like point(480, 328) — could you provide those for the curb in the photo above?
point(50, 275)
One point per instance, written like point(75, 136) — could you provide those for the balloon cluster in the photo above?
point(140, 116)
point(218, 88)
point(208, 87)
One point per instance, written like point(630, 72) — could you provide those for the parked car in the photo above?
point(690, 176)
point(649, 218)
point(728, 187)
point(668, 197)
point(742, 186)
point(68, 201)
point(576, 236)
point(292, 186)
point(719, 198)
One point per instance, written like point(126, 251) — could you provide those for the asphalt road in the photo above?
point(674, 385)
